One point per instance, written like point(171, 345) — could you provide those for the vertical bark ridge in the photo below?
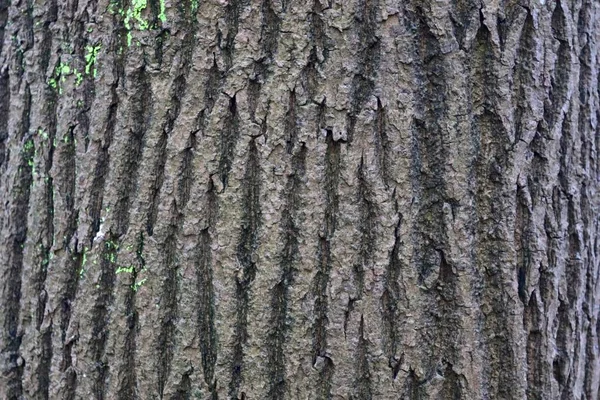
point(280, 296)
point(246, 256)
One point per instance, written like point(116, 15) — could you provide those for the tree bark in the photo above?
point(277, 199)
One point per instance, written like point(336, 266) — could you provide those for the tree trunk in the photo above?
point(277, 199)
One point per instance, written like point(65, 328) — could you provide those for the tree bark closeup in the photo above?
point(284, 199)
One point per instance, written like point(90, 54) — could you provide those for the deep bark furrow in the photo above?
point(246, 256)
point(4, 113)
point(206, 299)
point(228, 140)
point(168, 304)
point(382, 143)
point(177, 92)
point(524, 70)
point(128, 385)
point(362, 383)
point(367, 229)
point(368, 58)
point(280, 296)
point(389, 304)
point(320, 357)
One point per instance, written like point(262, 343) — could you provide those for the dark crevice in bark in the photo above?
point(561, 362)
point(104, 295)
point(45, 363)
point(562, 68)
point(523, 74)
point(159, 177)
point(4, 113)
point(291, 125)
point(492, 245)
point(412, 388)
point(533, 324)
point(452, 386)
point(321, 359)
point(101, 168)
point(184, 388)
point(269, 36)
point(369, 55)
point(586, 102)
point(389, 303)
point(229, 136)
point(460, 16)
point(522, 244)
point(382, 143)
point(177, 92)
point(141, 109)
point(280, 295)
point(246, 256)
point(4, 6)
point(102, 161)
point(18, 228)
point(187, 173)
point(51, 16)
point(214, 81)
point(367, 227)
point(127, 388)
point(168, 301)
point(74, 267)
point(206, 298)
point(362, 380)
point(232, 21)
point(319, 51)
point(430, 151)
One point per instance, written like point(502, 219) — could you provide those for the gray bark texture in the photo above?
point(285, 199)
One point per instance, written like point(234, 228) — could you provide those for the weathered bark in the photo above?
point(269, 199)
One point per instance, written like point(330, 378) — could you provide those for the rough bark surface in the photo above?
point(283, 199)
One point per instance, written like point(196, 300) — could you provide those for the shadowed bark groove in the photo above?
point(367, 229)
point(369, 53)
point(321, 359)
point(206, 301)
point(280, 295)
point(246, 256)
point(389, 303)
